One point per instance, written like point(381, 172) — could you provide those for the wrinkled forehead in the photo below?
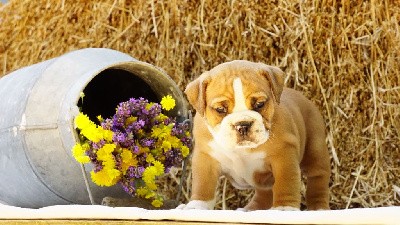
point(222, 83)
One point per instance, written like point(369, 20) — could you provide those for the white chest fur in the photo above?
point(239, 164)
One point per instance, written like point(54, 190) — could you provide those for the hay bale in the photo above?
point(344, 55)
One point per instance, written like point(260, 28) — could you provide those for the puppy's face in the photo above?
point(237, 99)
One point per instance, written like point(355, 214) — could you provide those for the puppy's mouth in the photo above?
point(250, 142)
point(247, 137)
point(246, 144)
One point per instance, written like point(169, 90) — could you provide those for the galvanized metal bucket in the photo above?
point(37, 107)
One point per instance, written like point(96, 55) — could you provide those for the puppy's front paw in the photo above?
point(285, 208)
point(195, 204)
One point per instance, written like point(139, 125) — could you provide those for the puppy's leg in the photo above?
point(205, 179)
point(286, 189)
point(205, 174)
point(316, 162)
point(262, 199)
point(317, 193)
point(316, 165)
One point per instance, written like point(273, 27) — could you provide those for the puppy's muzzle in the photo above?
point(243, 127)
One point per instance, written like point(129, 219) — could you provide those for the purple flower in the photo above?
point(124, 109)
point(173, 157)
point(123, 139)
point(176, 131)
point(119, 137)
point(128, 186)
point(136, 172)
point(118, 121)
point(98, 167)
point(107, 124)
point(125, 187)
point(136, 126)
point(168, 121)
point(144, 111)
point(135, 149)
point(147, 142)
point(187, 141)
point(139, 124)
point(98, 145)
point(154, 110)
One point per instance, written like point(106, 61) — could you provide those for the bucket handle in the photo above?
point(87, 184)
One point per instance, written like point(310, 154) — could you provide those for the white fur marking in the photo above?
point(240, 100)
point(285, 208)
point(238, 163)
point(198, 204)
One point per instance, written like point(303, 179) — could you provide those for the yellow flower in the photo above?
point(175, 142)
point(185, 151)
point(149, 176)
point(142, 191)
point(161, 131)
point(168, 129)
point(105, 152)
point(143, 149)
point(187, 134)
point(91, 133)
point(90, 130)
point(100, 119)
point(128, 159)
point(105, 177)
point(167, 102)
point(145, 192)
point(157, 150)
point(159, 167)
point(105, 155)
point(149, 105)
point(108, 176)
point(150, 194)
point(107, 134)
point(157, 132)
point(162, 158)
point(82, 121)
point(109, 163)
point(78, 151)
point(157, 203)
point(130, 120)
point(161, 117)
point(150, 158)
point(126, 155)
point(166, 145)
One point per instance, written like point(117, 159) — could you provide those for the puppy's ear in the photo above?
point(276, 78)
point(196, 92)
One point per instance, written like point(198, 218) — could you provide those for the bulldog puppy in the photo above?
point(258, 134)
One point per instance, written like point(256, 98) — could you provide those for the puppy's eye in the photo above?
point(221, 110)
point(258, 105)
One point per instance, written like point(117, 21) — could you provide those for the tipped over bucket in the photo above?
point(37, 109)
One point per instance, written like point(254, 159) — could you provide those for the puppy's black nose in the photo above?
point(243, 127)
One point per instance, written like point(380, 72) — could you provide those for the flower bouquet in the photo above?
point(134, 147)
